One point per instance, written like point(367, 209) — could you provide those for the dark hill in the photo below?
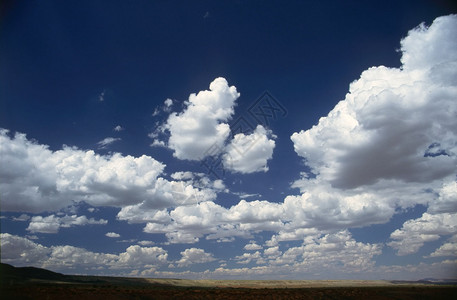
point(10, 273)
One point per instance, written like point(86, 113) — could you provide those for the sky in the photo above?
point(230, 139)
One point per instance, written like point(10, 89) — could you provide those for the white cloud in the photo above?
point(112, 235)
point(194, 256)
point(202, 120)
point(52, 223)
point(20, 251)
point(247, 258)
point(22, 218)
point(118, 128)
point(447, 199)
point(252, 246)
point(447, 249)
point(146, 243)
point(168, 102)
point(107, 141)
point(249, 153)
point(158, 143)
point(390, 143)
point(414, 233)
point(35, 179)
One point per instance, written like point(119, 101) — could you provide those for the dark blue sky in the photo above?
point(71, 71)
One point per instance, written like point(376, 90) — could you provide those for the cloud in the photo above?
point(103, 144)
point(202, 120)
point(252, 246)
point(168, 102)
point(415, 233)
point(249, 153)
point(390, 117)
point(194, 256)
point(22, 218)
point(36, 179)
point(447, 249)
point(112, 235)
point(52, 223)
point(20, 251)
point(390, 143)
point(118, 128)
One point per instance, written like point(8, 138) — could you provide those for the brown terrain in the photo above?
point(35, 283)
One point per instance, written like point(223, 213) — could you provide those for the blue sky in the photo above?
point(254, 139)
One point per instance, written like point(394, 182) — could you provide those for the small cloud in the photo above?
point(244, 195)
point(101, 97)
point(91, 209)
point(112, 235)
point(146, 243)
point(168, 102)
point(156, 112)
point(22, 218)
point(252, 246)
point(158, 143)
point(118, 128)
point(107, 141)
point(206, 15)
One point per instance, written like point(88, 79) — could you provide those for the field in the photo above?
point(33, 283)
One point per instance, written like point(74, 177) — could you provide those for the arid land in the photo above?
point(34, 283)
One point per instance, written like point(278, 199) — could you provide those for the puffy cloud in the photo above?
point(246, 258)
point(35, 179)
point(118, 128)
point(447, 199)
point(326, 208)
point(447, 249)
point(202, 120)
point(137, 255)
point(414, 233)
point(252, 246)
point(249, 153)
point(16, 249)
point(21, 251)
point(22, 218)
point(168, 102)
point(112, 234)
point(52, 223)
point(390, 118)
point(390, 143)
point(194, 256)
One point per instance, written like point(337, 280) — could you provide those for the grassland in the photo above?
point(33, 283)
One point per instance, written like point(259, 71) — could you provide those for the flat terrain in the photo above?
point(33, 283)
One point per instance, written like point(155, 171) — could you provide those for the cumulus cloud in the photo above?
point(202, 120)
point(52, 223)
point(252, 246)
point(414, 233)
point(118, 128)
point(168, 102)
point(390, 143)
point(112, 235)
point(22, 218)
point(21, 251)
point(390, 117)
point(194, 256)
point(35, 179)
point(447, 249)
point(249, 153)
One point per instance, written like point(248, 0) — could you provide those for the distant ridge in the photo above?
point(9, 272)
